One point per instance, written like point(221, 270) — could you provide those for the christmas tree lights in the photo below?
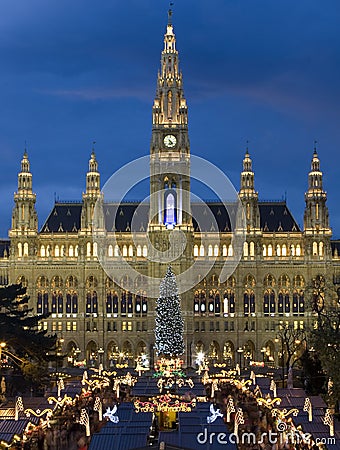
point(169, 322)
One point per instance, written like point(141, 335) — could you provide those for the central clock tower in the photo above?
point(170, 227)
point(170, 148)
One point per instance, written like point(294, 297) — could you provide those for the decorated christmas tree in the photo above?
point(169, 322)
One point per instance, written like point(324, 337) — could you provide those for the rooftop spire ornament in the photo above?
point(169, 322)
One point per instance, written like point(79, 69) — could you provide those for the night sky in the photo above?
point(72, 72)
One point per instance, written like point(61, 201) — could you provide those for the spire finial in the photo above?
point(170, 13)
point(93, 148)
point(247, 147)
point(25, 150)
point(315, 147)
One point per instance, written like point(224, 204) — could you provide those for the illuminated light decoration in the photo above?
point(96, 382)
point(169, 322)
point(129, 380)
point(85, 420)
point(283, 413)
point(230, 408)
point(19, 406)
point(60, 386)
point(214, 414)
point(122, 366)
point(258, 392)
point(269, 403)
point(109, 374)
point(253, 377)
point(307, 407)
point(38, 413)
point(111, 414)
point(273, 387)
point(239, 420)
point(98, 407)
point(328, 420)
point(220, 365)
point(165, 403)
point(238, 369)
point(59, 402)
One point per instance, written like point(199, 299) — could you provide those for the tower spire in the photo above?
point(316, 211)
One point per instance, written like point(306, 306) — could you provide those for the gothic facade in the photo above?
point(109, 317)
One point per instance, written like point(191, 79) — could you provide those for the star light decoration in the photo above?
point(169, 327)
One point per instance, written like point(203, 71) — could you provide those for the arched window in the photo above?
point(315, 248)
point(145, 251)
point(129, 304)
point(264, 251)
point(130, 251)
point(76, 251)
point(211, 303)
point(321, 249)
point(202, 252)
point(298, 250)
point(56, 251)
point(217, 304)
point(139, 251)
point(224, 250)
point(91, 282)
point(170, 209)
point(88, 249)
point(278, 250)
point(123, 304)
point(203, 303)
point(228, 302)
point(91, 303)
point(284, 250)
point(42, 251)
point(110, 251)
point(95, 249)
point(70, 251)
point(195, 250)
point(292, 250)
point(71, 302)
point(252, 249)
point(270, 250)
point(230, 250)
point(210, 250)
point(216, 250)
point(269, 280)
point(144, 306)
point(249, 303)
point(117, 252)
point(245, 249)
point(25, 251)
point(125, 250)
point(269, 302)
point(298, 303)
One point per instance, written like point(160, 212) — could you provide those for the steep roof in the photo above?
point(133, 216)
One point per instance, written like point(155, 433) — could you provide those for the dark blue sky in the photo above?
point(77, 71)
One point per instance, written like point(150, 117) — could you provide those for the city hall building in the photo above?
point(108, 316)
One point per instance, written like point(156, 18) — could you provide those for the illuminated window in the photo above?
point(88, 249)
point(245, 249)
point(202, 252)
point(195, 250)
point(42, 251)
point(56, 251)
point(125, 251)
point(224, 250)
point(298, 250)
point(139, 251)
point(145, 251)
point(278, 250)
point(216, 250)
point(270, 250)
point(264, 252)
point(25, 249)
point(130, 251)
point(230, 250)
point(74, 326)
point(110, 251)
point(284, 250)
point(117, 252)
point(70, 251)
point(210, 250)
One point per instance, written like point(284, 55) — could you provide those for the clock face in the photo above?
point(170, 140)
